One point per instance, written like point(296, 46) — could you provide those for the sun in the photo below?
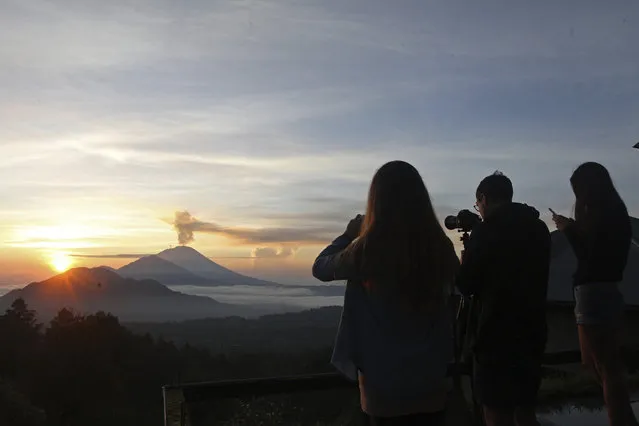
point(60, 262)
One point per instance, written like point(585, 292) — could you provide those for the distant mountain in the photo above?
point(108, 268)
point(186, 266)
point(91, 290)
point(168, 273)
point(196, 263)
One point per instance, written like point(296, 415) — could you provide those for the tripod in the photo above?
point(465, 324)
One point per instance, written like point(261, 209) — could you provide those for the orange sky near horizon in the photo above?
point(36, 252)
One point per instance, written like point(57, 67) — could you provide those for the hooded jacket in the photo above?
point(505, 267)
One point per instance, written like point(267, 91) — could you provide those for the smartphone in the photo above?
point(553, 212)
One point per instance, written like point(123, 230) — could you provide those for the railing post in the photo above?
point(166, 419)
point(175, 413)
point(183, 414)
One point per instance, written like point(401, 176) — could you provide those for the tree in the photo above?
point(19, 339)
point(65, 317)
point(91, 370)
point(21, 314)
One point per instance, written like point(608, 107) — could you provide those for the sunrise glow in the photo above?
point(60, 262)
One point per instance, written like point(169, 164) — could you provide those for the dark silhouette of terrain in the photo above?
point(279, 333)
point(90, 370)
point(99, 289)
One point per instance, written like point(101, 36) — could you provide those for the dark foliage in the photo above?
point(90, 370)
point(289, 333)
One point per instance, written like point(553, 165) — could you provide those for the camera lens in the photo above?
point(451, 222)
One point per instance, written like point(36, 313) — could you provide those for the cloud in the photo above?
point(54, 244)
point(187, 226)
point(273, 253)
point(108, 256)
point(218, 106)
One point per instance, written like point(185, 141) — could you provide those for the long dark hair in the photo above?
point(402, 249)
point(595, 195)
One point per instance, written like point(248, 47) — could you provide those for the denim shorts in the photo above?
point(598, 304)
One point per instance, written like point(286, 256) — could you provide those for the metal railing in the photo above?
point(178, 397)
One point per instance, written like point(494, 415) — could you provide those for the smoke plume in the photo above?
point(187, 226)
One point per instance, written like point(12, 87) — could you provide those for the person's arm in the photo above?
point(469, 279)
point(333, 263)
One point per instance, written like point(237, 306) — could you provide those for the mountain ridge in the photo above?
point(156, 268)
point(197, 265)
point(90, 290)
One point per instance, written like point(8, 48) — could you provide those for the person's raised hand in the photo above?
point(561, 222)
point(354, 226)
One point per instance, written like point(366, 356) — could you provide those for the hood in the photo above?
point(515, 212)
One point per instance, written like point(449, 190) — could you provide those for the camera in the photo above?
point(464, 221)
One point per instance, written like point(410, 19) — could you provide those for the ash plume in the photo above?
point(187, 226)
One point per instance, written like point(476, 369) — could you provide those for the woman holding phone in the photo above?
point(600, 236)
point(395, 335)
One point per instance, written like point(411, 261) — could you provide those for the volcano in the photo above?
point(186, 266)
point(155, 268)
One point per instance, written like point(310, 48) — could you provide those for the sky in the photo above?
point(259, 124)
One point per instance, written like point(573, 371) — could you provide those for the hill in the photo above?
point(158, 269)
point(99, 289)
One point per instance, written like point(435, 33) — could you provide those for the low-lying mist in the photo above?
point(250, 295)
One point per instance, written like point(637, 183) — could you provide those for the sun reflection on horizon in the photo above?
point(60, 262)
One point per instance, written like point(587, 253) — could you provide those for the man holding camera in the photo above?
point(505, 268)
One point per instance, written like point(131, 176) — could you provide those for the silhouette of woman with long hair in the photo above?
point(395, 335)
point(600, 236)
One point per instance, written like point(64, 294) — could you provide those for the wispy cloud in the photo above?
point(252, 111)
point(108, 256)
